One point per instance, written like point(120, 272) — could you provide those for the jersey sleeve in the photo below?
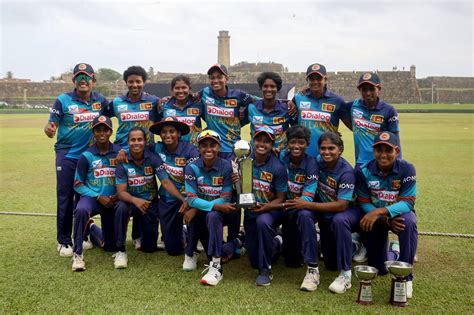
point(281, 179)
point(104, 108)
point(157, 164)
point(120, 175)
point(109, 109)
point(56, 111)
point(191, 187)
point(80, 178)
point(393, 123)
point(154, 115)
point(407, 194)
point(193, 154)
point(363, 192)
point(311, 183)
point(346, 110)
point(346, 186)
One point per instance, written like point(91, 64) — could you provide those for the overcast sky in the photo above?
point(40, 39)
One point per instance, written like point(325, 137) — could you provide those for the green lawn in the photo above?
point(35, 279)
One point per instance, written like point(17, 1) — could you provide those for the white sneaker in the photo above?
point(409, 289)
point(161, 245)
point(213, 274)
point(86, 245)
point(190, 262)
point(199, 247)
point(361, 255)
point(311, 280)
point(340, 285)
point(64, 250)
point(137, 243)
point(78, 263)
point(121, 260)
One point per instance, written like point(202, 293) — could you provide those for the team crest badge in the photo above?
point(180, 161)
point(384, 136)
point(230, 102)
point(396, 184)
point(148, 170)
point(377, 118)
point(367, 76)
point(266, 176)
point(316, 67)
point(331, 182)
point(217, 181)
point(328, 107)
point(96, 106)
point(299, 178)
point(82, 66)
point(146, 106)
point(193, 111)
point(278, 120)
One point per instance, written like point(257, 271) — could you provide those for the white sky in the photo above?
point(39, 39)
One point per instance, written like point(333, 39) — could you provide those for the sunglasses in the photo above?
point(208, 133)
point(81, 77)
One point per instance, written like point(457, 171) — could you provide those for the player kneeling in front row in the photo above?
point(95, 182)
point(338, 217)
point(386, 191)
point(208, 183)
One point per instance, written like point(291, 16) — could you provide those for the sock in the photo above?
point(346, 273)
point(216, 260)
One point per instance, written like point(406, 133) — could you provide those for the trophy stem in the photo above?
point(398, 294)
point(365, 296)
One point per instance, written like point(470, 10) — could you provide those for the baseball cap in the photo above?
point(316, 68)
point(220, 67)
point(265, 129)
point(169, 121)
point(211, 134)
point(83, 68)
point(370, 78)
point(102, 120)
point(387, 138)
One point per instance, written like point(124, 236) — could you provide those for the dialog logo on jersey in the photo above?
point(230, 102)
point(266, 176)
point(174, 171)
point(299, 178)
point(331, 182)
point(328, 107)
point(113, 162)
point(139, 181)
point(148, 170)
point(294, 187)
point(188, 120)
point(376, 118)
point(396, 184)
point(209, 190)
point(86, 117)
point(364, 124)
point(220, 112)
point(217, 180)
point(136, 116)
point(315, 116)
point(96, 106)
point(259, 185)
point(278, 120)
point(104, 172)
point(146, 106)
point(180, 161)
point(387, 196)
point(193, 111)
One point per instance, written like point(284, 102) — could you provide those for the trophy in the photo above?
point(399, 270)
point(245, 197)
point(365, 274)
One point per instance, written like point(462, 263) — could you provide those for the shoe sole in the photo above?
point(336, 292)
point(79, 269)
point(189, 269)
point(66, 255)
point(308, 289)
point(360, 260)
point(263, 285)
point(204, 282)
point(120, 267)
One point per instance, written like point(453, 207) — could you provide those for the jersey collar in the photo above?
point(374, 169)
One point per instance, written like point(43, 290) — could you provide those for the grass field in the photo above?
point(34, 279)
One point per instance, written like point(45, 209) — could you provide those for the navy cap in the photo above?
point(387, 138)
point(370, 78)
point(83, 68)
point(219, 67)
point(316, 68)
point(169, 121)
point(102, 120)
point(264, 129)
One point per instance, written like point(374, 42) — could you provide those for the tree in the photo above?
point(151, 74)
point(9, 75)
point(108, 75)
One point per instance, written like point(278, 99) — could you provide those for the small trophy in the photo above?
point(245, 197)
point(399, 270)
point(365, 274)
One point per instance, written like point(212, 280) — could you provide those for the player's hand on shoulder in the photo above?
point(122, 156)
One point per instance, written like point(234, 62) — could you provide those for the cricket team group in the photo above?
point(311, 203)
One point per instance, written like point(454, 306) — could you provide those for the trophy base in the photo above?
point(365, 296)
point(247, 201)
point(398, 293)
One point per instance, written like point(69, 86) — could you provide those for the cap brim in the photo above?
point(218, 68)
point(313, 72)
point(272, 137)
point(79, 72)
point(209, 137)
point(181, 127)
point(384, 142)
point(371, 83)
point(102, 123)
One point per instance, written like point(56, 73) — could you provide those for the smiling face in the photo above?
point(269, 90)
point(209, 149)
point(262, 144)
point(135, 85)
point(297, 147)
point(316, 83)
point(83, 83)
point(102, 133)
point(385, 156)
point(181, 90)
point(329, 151)
point(169, 135)
point(217, 80)
point(369, 93)
point(136, 141)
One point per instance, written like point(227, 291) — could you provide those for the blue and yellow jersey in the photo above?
point(95, 172)
point(335, 184)
point(278, 119)
point(302, 180)
point(224, 114)
point(367, 122)
point(141, 113)
point(140, 179)
point(268, 179)
point(190, 115)
point(74, 117)
point(174, 164)
point(319, 115)
point(207, 187)
point(395, 191)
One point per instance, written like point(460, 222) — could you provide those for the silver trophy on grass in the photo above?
point(399, 270)
point(365, 274)
point(245, 197)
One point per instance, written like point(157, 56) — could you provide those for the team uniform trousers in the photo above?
point(171, 226)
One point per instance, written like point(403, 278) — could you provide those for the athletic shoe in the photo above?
point(137, 243)
point(311, 280)
point(199, 247)
point(409, 289)
point(161, 245)
point(78, 263)
point(213, 275)
point(121, 260)
point(86, 245)
point(361, 255)
point(64, 250)
point(190, 262)
point(415, 259)
point(340, 285)
point(264, 277)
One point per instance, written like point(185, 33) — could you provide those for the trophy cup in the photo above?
point(245, 197)
point(399, 270)
point(365, 274)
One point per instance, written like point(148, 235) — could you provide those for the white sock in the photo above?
point(216, 260)
point(346, 273)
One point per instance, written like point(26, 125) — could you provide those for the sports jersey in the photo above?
point(319, 115)
point(140, 179)
point(74, 117)
point(395, 191)
point(207, 187)
point(335, 184)
point(278, 119)
point(303, 179)
point(190, 115)
point(96, 172)
point(174, 164)
point(141, 113)
point(367, 122)
point(223, 114)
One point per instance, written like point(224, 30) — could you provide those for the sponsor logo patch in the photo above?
point(396, 184)
point(209, 190)
point(175, 171)
point(384, 136)
point(315, 115)
point(362, 123)
point(266, 176)
point(73, 109)
point(374, 184)
point(139, 181)
point(131, 172)
point(217, 180)
point(331, 182)
point(162, 156)
point(146, 106)
point(376, 118)
point(259, 185)
point(136, 116)
point(230, 102)
point(328, 107)
point(170, 112)
point(104, 172)
point(180, 161)
point(220, 112)
point(96, 106)
point(387, 196)
point(86, 117)
point(357, 113)
point(188, 120)
point(97, 164)
point(295, 188)
point(315, 67)
point(122, 108)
